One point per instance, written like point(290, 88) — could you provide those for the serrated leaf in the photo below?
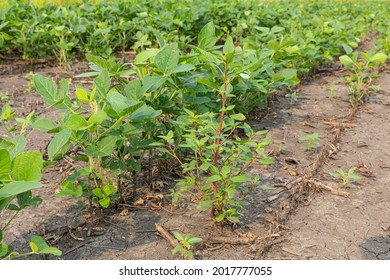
point(27, 166)
point(59, 145)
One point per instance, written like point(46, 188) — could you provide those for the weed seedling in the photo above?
point(311, 139)
point(346, 177)
point(184, 248)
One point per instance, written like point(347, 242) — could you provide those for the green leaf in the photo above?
point(51, 251)
point(293, 49)
point(3, 250)
point(5, 165)
point(27, 166)
point(82, 95)
point(214, 178)
point(206, 37)
point(16, 187)
point(59, 145)
point(354, 177)
point(76, 122)
point(182, 68)
point(102, 83)
point(194, 240)
point(108, 190)
point(34, 247)
point(379, 58)
point(67, 188)
point(220, 218)
point(120, 103)
point(240, 179)
point(145, 112)
point(167, 59)
point(105, 202)
point(205, 205)
point(97, 192)
point(97, 118)
point(19, 146)
point(176, 249)
point(46, 88)
point(266, 160)
point(44, 124)
point(231, 192)
point(346, 60)
point(238, 117)
point(178, 236)
point(228, 47)
point(104, 147)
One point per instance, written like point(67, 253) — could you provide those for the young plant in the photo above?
point(346, 177)
point(185, 246)
point(311, 139)
point(361, 69)
point(217, 156)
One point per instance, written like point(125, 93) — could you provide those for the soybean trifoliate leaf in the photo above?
point(145, 112)
point(44, 124)
point(97, 117)
point(103, 148)
point(167, 59)
point(45, 87)
point(76, 122)
point(17, 187)
point(82, 95)
point(228, 47)
point(19, 142)
point(27, 166)
point(59, 145)
point(206, 37)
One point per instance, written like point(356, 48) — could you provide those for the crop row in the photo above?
point(316, 29)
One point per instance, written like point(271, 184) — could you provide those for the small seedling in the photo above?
point(346, 177)
point(293, 97)
point(311, 139)
point(332, 91)
point(184, 248)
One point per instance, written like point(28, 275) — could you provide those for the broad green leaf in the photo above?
point(97, 117)
point(293, 49)
point(231, 192)
point(145, 112)
point(76, 122)
point(52, 251)
point(214, 178)
point(266, 160)
point(63, 90)
point(150, 83)
point(27, 166)
point(206, 37)
point(120, 103)
point(17, 187)
point(102, 83)
point(133, 90)
point(346, 60)
point(68, 188)
point(105, 202)
point(44, 124)
point(3, 250)
point(238, 117)
point(108, 190)
point(82, 95)
point(19, 146)
point(167, 59)
point(104, 147)
point(228, 47)
point(182, 68)
point(5, 165)
point(220, 218)
point(97, 192)
point(379, 58)
point(59, 145)
point(45, 87)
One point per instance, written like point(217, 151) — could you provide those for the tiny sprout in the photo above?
point(311, 139)
point(346, 177)
point(185, 245)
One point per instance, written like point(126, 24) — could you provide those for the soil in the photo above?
point(306, 213)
